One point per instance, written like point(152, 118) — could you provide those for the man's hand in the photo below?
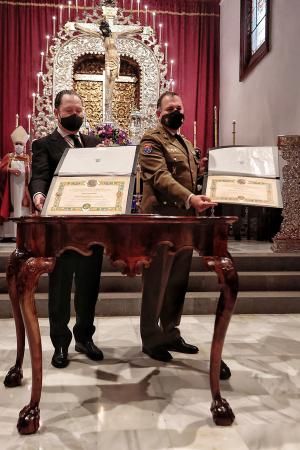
point(201, 202)
point(15, 172)
point(39, 200)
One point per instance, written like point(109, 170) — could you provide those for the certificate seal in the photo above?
point(92, 183)
point(86, 206)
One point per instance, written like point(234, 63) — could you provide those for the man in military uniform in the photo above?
point(170, 170)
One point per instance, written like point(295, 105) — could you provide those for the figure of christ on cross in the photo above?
point(112, 58)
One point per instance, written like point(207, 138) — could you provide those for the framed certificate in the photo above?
point(88, 196)
point(244, 190)
point(93, 181)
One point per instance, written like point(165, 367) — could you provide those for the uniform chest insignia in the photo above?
point(147, 149)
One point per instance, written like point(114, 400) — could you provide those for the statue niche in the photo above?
point(89, 82)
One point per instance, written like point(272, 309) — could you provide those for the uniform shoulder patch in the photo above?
point(147, 149)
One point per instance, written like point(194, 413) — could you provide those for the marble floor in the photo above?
point(130, 402)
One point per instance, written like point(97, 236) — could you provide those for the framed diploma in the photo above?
point(93, 181)
point(244, 190)
point(93, 195)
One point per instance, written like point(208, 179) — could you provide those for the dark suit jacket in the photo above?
point(46, 154)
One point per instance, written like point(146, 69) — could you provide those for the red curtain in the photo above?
point(190, 27)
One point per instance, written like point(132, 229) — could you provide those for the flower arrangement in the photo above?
point(111, 135)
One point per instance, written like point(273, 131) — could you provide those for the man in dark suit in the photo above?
point(46, 154)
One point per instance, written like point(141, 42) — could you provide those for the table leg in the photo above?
point(27, 280)
point(15, 373)
point(228, 278)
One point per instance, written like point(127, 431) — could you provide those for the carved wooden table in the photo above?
point(130, 241)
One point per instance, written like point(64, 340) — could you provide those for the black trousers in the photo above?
point(86, 270)
point(161, 315)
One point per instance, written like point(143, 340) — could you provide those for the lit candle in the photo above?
point(160, 32)
point(166, 52)
point(69, 10)
point(195, 134)
point(33, 103)
point(154, 14)
point(54, 25)
point(29, 123)
point(38, 84)
point(138, 7)
point(61, 14)
point(146, 14)
point(47, 44)
point(171, 73)
point(17, 120)
point(42, 61)
point(172, 85)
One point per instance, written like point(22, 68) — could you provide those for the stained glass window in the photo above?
point(258, 24)
point(255, 33)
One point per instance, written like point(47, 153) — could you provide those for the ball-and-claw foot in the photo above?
point(29, 420)
point(14, 377)
point(222, 413)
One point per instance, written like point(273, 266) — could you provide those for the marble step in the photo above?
point(198, 281)
point(246, 262)
point(128, 304)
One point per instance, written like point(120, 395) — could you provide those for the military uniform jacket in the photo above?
point(169, 172)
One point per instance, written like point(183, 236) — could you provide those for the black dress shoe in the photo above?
point(225, 373)
point(90, 350)
point(60, 358)
point(182, 347)
point(158, 353)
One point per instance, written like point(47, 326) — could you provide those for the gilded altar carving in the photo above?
point(288, 238)
point(69, 47)
point(92, 94)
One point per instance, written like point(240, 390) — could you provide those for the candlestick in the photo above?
point(131, 6)
point(54, 25)
point(138, 179)
point(85, 4)
point(171, 72)
point(153, 15)
point(166, 52)
point(76, 7)
point(42, 61)
point(61, 14)
point(38, 83)
point(216, 126)
point(17, 120)
point(33, 103)
point(29, 123)
point(195, 134)
point(47, 44)
point(146, 14)
point(69, 10)
point(138, 7)
point(233, 132)
point(160, 32)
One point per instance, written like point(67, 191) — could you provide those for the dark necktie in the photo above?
point(181, 141)
point(75, 139)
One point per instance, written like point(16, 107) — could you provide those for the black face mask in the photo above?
point(173, 120)
point(71, 123)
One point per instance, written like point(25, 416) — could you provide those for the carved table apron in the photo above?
point(130, 241)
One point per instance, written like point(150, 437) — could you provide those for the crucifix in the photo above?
point(109, 33)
